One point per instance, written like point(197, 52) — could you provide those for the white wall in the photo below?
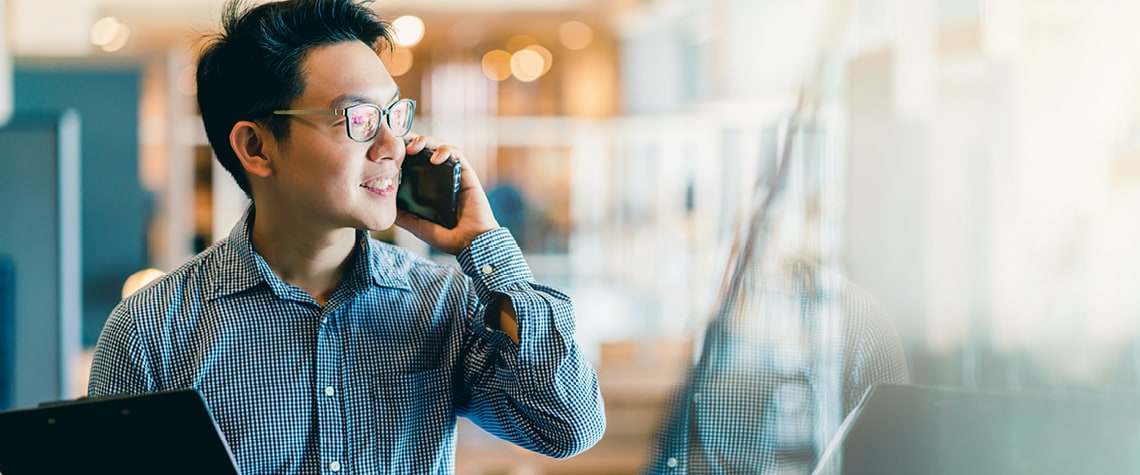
point(5, 68)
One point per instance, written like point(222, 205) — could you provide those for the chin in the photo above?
point(372, 218)
point(379, 224)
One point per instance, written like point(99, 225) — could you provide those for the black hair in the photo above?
point(253, 66)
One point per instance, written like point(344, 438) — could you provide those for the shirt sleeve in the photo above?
point(540, 394)
point(119, 366)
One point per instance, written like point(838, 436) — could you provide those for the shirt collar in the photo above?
point(237, 269)
point(240, 267)
point(371, 265)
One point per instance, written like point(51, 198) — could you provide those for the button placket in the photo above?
point(330, 408)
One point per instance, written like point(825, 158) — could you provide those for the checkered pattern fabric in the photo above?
point(373, 381)
point(792, 353)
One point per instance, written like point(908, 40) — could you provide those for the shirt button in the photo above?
point(672, 462)
point(335, 466)
point(324, 320)
point(330, 391)
point(487, 269)
point(696, 397)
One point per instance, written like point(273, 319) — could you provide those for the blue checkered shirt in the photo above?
point(795, 349)
point(373, 381)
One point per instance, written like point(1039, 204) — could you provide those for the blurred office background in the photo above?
point(974, 166)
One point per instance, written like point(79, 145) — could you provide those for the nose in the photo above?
point(386, 145)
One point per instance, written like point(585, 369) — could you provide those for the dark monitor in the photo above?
point(912, 429)
point(170, 432)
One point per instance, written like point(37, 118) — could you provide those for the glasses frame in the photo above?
point(385, 115)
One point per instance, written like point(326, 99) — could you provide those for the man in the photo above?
point(317, 348)
point(792, 352)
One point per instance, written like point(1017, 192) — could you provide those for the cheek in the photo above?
point(321, 168)
point(325, 166)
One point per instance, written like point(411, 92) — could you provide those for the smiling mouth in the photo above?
point(382, 184)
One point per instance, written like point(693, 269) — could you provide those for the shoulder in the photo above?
point(861, 312)
point(191, 283)
point(869, 345)
point(875, 353)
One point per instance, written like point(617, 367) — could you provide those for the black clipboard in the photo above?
point(163, 432)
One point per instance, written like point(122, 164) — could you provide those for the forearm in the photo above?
point(545, 401)
point(506, 322)
point(526, 380)
point(542, 393)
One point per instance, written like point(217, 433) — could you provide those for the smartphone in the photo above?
point(429, 191)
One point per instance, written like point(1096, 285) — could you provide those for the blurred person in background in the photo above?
point(316, 347)
point(793, 353)
point(793, 346)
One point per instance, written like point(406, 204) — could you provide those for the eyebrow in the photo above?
point(345, 100)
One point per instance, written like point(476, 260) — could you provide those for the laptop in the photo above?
point(915, 429)
point(164, 432)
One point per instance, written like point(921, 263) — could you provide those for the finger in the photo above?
point(467, 177)
point(444, 152)
point(415, 144)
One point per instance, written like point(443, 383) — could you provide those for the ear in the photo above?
point(252, 143)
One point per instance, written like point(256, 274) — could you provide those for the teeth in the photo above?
point(379, 184)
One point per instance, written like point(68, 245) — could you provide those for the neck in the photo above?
point(310, 257)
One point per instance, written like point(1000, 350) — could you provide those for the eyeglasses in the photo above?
point(362, 121)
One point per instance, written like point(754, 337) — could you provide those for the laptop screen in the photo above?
point(913, 429)
point(163, 432)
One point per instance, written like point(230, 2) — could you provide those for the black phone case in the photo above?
point(430, 191)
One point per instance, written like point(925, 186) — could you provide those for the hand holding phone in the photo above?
point(430, 191)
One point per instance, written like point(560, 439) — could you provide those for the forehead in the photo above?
point(349, 68)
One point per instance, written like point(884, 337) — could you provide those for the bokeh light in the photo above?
point(527, 65)
point(575, 35)
point(466, 33)
point(547, 57)
point(409, 30)
point(400, 62)
point(497, 65)
point(109, 34)
point(518, 42)
point(103, 31)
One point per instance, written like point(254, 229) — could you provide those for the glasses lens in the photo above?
point(363, 122)
point(400, 118)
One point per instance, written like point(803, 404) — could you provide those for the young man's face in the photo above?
point(324, 177)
